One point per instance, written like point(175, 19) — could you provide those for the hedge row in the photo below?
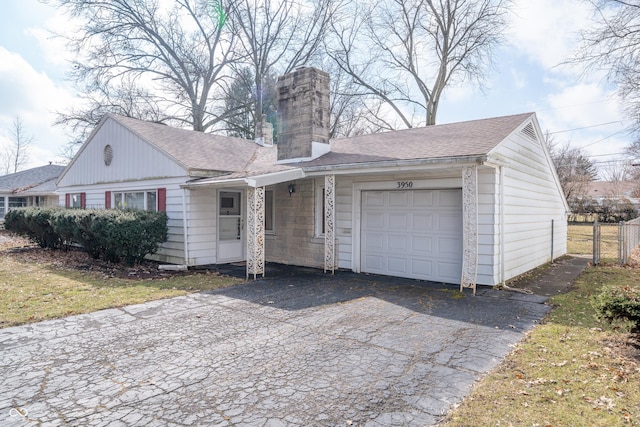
point(113, 235)
point(615, 303)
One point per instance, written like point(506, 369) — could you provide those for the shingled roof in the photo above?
point(241, 158)
point(194, 150)
point(42, 176)
point(471, 138)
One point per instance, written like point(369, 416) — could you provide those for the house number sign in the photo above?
point(405, 184)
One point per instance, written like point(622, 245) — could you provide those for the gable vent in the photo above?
point(529, 132)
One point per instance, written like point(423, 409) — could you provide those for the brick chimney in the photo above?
point(303, 115)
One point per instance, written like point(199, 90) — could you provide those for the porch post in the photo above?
point(329, 223)
point(469, 227)
point(255, 231)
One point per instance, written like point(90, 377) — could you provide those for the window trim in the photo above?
point(319, 219)
point(145, 199)
point(273, 212)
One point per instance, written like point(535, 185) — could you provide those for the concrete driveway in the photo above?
point(301, 350)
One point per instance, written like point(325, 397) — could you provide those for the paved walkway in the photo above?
point(306, 350)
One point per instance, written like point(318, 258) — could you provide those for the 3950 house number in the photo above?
point(405, 184)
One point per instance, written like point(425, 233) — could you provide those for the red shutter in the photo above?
point(67, 200)
point(83, 200)
point(162, 199)
point(107, 199)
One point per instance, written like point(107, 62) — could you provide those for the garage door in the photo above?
point(414, 233)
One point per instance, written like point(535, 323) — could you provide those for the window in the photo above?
point(75, 201)
point(269, 211)
point(1, 207)
point(319, 210)
point(17, 202)
point(141, 200)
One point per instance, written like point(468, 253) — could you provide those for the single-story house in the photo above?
point(30, 187)
point(477, 202)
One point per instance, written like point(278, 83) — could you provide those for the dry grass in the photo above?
point(36, 285)
point(573, 370)
point(580, 240)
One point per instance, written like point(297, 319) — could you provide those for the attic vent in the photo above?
point(108, 154)
point(529, 132)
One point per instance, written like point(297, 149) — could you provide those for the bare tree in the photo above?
point(575, 169)
point(616, 172)
point(15, 155)
point(407, 52)
point(278, 36)
point(610, 44)
point(175, 55)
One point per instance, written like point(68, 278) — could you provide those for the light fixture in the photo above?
point(292, 189)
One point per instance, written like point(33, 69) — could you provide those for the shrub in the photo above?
point(35, 224)
point(619, 303)
point(112, 235)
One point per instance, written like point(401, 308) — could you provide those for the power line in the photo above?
point(585, 127)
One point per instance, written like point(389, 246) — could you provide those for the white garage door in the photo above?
point(413, 233)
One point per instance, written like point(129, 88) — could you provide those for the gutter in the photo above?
point(437, 163)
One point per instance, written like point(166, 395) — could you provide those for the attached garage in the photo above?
point(412, 233)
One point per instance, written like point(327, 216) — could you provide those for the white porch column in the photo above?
point(469, 228)
point(255, 231)
point(329, 223)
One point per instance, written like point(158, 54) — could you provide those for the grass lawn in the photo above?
point(580, 240)
point(34, 291)
point(572, 370)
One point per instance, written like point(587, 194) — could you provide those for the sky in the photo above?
point(527, 76)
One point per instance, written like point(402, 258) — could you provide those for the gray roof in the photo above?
point(239, 158)
point(471, 138)
point(194, 150)
point(22, 181)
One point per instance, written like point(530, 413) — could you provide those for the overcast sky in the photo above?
point(527, 78)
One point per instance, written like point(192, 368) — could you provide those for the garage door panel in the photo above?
point(422, 221)
point(449, 222)
point(413, 233)
point(373, 263)
point(450, 198)
point(422, 245)
point(398, 221)
point(448, 271)
point(448, 247)
point(421, 268)
point(423, 198)
point(398, 198)
point(374, 220)
point(398, 243)
point(397, 266)
point(373, 198)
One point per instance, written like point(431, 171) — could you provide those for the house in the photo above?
point(31, 187)
point(476, 202)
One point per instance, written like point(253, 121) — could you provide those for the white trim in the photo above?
point(356, 197)
point(185, 227)
point(318, 149)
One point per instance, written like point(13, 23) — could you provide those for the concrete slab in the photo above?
point(300, 350)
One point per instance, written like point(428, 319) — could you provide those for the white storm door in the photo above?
point(413, 233)
point(230, 226)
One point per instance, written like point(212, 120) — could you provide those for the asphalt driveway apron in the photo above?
point(301, 350)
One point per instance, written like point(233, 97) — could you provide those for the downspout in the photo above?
point(502, 272)
point(185, 226)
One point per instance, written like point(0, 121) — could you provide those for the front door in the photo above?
point(230, 226)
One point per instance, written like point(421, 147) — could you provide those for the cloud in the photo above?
point(547, 31)
point(35, 98)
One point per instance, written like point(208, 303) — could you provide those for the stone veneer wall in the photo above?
point(303, 112)
point(294, 240)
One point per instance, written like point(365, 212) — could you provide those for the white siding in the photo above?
point(172, 251)
point(344, 222)
point(201, 224)
point(488, 227)
point(133, 159)
point(532, 199)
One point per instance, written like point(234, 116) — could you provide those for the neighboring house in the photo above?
point(468, 203)
point(31, 187)
point(600, 191)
